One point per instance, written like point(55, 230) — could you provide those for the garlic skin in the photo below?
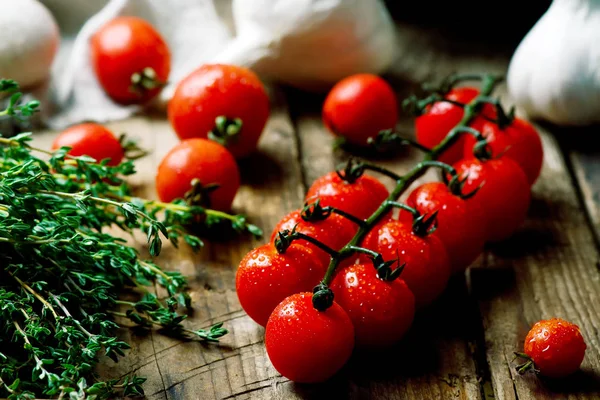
point(554, 74)
point(30, 39)
point(311, 44)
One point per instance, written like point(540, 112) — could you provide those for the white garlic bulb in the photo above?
point(554, 74)
point(311, 43)
point(30, 39)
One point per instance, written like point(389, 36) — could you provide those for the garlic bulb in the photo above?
point(554, 74)
point(311, 43)
point(30, 39)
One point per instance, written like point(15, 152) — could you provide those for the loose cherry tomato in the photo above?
point(427, 268)
point(359, 106)
point(91, 140)
point(215, 90)
point(205, 161)
point(335, 231)
point(461, 225)
point(306, 345)
point(519, 141)
point(555, 347)
point(439, 119)
point(382, 312)
point(504, 194)
point(360, 198)
point(131, 59)
point(265, 277)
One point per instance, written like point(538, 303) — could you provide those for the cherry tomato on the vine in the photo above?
point(427, 266)
point(306, 345)
point(439, 119)
point(556, 347)
point(461, 225)
point(360, 198)
point(218, 90)
point(203, 165)
point(360, 106)
point(382, 312)
point(265, 277)
point(518, 141)
point(93, 140)
point(130, 59)
point(504, 193)
point(335, 231)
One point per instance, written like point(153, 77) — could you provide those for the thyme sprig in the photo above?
point(62, 268)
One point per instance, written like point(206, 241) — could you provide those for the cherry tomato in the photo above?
point(427, 268)
point(91, 140)
point(215, 90)
point(504, 194)
point(128, 46)
point(556, 347)
point(265, 277)
point(202, 160)
point(439, 119)
point(306, 345)
point(519, 141)
point(360, 198)
point(382, 312)
point(335, 231)
point(460, 224)
point(359, 106)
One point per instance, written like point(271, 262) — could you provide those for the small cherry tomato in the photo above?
point(202, 168)
point(427, 267)
point(461, 225)
point(439, 119)
point(359, 106)
point(216, 90)
point(335, 231)
point(555, 347)
point(504, 193)
point(93, 140)
point(265, 277)
point(306, 345)
point(519, 141)
point(131, 60)
point(360, 198)
point(382, 312)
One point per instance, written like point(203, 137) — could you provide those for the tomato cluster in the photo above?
point(343, 272)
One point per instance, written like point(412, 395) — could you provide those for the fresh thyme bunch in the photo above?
point(62, 270)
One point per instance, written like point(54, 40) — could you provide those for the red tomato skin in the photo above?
point(91, 140)
point(556, 347)
point(427, 268)
point(461, 225)
point(335, 231)
point(505, 196)
point(205, 160)
point(125, 46)
point(360, 198)
point(359, 106)
point(439, 119)
point(381, 312)
point(215, 90)
point(306, 345)
point(264, 278)
point(519, 141)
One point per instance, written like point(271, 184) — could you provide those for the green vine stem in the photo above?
point(471, 110)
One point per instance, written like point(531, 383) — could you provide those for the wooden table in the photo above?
point(461, 348)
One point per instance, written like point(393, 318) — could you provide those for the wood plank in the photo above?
point(547, 269)
point(436, 360)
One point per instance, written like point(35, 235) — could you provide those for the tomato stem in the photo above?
point(471, 110)
point(315, 212)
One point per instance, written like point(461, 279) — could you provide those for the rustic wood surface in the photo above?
point(462, 346)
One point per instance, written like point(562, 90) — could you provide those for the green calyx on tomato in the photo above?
point(226, 130)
